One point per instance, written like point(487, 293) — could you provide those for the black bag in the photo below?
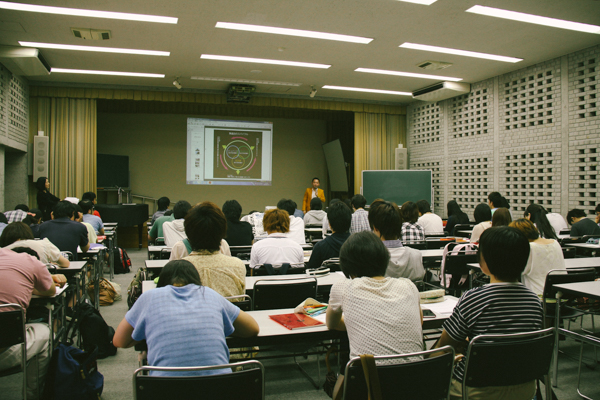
point(95, 332)
point(121, 261)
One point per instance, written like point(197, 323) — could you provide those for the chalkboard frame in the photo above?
point(378, 183)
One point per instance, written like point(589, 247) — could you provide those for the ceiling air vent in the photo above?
point(24, 61)
point(441, 91)
point(433, 65)
point(91, 34)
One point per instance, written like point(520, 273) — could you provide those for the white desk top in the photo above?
point(585, 262)
point(59, 291)
point(584, 245)
point(94, 250)
point(158, 248)
point(588, 289)
point(434, 253)
point(73, 266)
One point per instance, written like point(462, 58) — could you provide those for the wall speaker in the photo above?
point(40, 156)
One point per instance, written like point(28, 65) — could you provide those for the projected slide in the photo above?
point(229, 152)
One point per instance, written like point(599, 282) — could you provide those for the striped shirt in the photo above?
point(496, 308)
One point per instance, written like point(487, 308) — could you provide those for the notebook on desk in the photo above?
point(295, 321)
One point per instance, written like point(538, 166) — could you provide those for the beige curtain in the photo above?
point(71, 126)
point(375, 138)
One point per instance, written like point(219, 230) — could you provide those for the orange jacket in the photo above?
point(308, 198)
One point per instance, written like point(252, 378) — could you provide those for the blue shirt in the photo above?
point(94, 221)
point(184, 327)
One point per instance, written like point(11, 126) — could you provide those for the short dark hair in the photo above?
point(22, 207)
point(63, 209)
point(501, 217)
point(597, 208)
point(482, 213)
point(180, 272)
point(276, 220)
point(27, 250)
point(347, 202)
point(163, 203)
point(15, 231)
point(316, 204)
point(205, 226)
point(3, 218)
point(409, 212)
point(363, 254)
point(91, 196)
point(495, 198)
point(181, 208)
point(359, 201)
point(232, 210)
point(527, 227)
point(386, 219)
point(40, 184)
point(86, 206)
point(339, 217)
point(575, 213)
point(316, 179)
point(287, 205)
point(505, 251)
point(423, 206)
point(376, 203)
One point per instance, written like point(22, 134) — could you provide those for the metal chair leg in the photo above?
point(579, 373)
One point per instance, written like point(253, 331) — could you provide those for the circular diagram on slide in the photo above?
point(238, 155)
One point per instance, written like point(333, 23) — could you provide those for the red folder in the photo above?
point(295, 321)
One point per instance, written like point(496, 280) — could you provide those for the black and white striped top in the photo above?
point(496, 308)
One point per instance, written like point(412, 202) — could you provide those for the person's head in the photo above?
point(363, 254)
point(205, 226)
point(359, 201)
point(527, 227)
point(63, 209)
point(482, 213)
point(163, 203)
point(276, 220)
point(409, 212)
point(42, 184)
point(453, 208)
point(86, 206)
point(36, 215)
point(372, 207)
point(287, 205)
point(77, 213)
point(22, 207)
point(386, 220)
point(537, 214)
point(503, 252)
point(26, 250)
point(178, 273)
point(180, 209)
point(339, 217)
point(3, 218)
point(15, 231)
point(423, 206)
point(232, 210)
point(501, 217)
point(91, 196)
point(316, 182)
point(495, 200)
point(575, 215)
point(348, 202)
point(316, 204)
point(504, 203)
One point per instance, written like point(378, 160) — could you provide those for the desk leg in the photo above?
point(556, 339)
point(50, 308)
point(140, 227)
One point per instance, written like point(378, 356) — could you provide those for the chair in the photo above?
point(271, 294)
point(160, 241)
point(415, 377)
point(68, 255)
point(13, 332)
point(438, 242)
point(274, 269)
point(569, 252)
point(333, 264)
point(241, 252)
point(243, 301)
point(416, 244)
point(245, 384)
point(462, 227)
point(505, 360)
point(456, 265)
point(313, 232)
point(165, 253)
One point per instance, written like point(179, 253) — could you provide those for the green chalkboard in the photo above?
point(398, 186)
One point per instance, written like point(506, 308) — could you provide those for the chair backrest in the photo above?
point(414, 377)
point(569, 252)
point(68, 255)
point(243, 301)
point(457, 263)
point(271, 294)
point(462, 227)
point(245, 384)
point(160, 241)
point(241, 252)
point(557, 276)
point(565, 232)
point(12, 322)
point(165, 253)
point(416, 244)
point(438, 243)
point(512, 359)
point(333, 264)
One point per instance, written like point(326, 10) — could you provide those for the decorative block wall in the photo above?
point(14, 110)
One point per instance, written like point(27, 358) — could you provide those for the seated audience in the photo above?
point(405, 262)
point(78, 216)
point(360, 217)
point(326, 227)
point(205, 227)
point(537, 214)
point(495, 201)
point(581, 225)
point(339, 217)
point(296, 230)
point(46, 200)
point(381, 314)
point(239, 233)
point(483, 218)
point(22, 276)
point(184, 322)
point(157, 227)
point(456, 216)
point(277, 248)
point(18, 214)
point(316, 215)
point(501, 217)
point(431, 223)
point(63, 231)
point(174, 231)
point(163, 205)
point(87, 207)
point(490, 309)
point(545, 256)
point(558, 222)
point(18, 234)
point(91, 196)
point(411, 230)
point(3, 222)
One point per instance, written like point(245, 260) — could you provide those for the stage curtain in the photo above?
point(375, 138)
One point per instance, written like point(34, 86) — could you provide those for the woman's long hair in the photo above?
point(537, 215)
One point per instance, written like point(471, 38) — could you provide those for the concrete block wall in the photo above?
point(532, 134)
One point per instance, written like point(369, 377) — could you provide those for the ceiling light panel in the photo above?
point(353, 89)
point(457, 52)
point(93, 48)
point(86, 13)
point(534, 19)
point(424, 2)
point(254, 81)
point(112, 73)
point(293, 32)
point(408, 74)
point(264, 61)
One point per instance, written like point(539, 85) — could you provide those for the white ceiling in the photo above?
point(391, 23)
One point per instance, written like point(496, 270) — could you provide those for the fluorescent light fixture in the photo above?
point(276, 83)
point(93, 48)
point(293, 32)
point(465, 53)
point(408, 74)
point(264, 61)
point(534, 19)
point(114, 73)
point(86, 13)
point(424, 2)
point(353, 89)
